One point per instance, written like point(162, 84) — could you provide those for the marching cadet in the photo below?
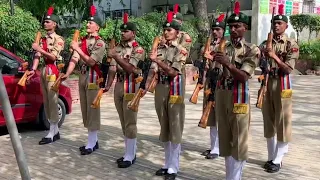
point(217, 33)
point(183, 37)
point(169, 63)
point(127, 55)
point(49, 49)
point(89, 54)
point(277, 104)
point(232, 95)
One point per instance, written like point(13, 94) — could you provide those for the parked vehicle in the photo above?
point(27, 102)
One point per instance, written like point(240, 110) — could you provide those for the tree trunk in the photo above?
point(201, 14)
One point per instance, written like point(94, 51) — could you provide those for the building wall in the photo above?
point(263, 22)
point(212, 4)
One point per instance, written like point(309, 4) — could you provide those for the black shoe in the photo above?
point(212, 156)
point(49, 140)
point(273, 168)
point(120, 160)
point(267, 164)
point(86, 151)
point(94, 148)
point(205, 153)
point(125, 164)
point(162, 172)
point(170, 176)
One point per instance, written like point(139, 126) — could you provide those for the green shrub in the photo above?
point(310, 51)
point(18, 31)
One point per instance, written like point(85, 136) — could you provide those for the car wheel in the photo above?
point(43, 121)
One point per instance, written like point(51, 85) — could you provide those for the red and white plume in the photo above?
point(281, 9)
point(50, 11)
point(93, 11)
point(220, 18)
point(125, 18)
point(237, 8)
point(176, 8)
point(170, 16)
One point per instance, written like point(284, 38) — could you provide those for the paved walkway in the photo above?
point(61, 160)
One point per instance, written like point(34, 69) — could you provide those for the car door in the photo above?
point(21, 98)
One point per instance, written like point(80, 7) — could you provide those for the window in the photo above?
point(308, 6)
point(10, 65)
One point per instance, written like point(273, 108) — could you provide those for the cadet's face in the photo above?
point(170, 33)
point(279, 27)
point(237, 30)
point(92, 27)
point(217, 32)
point(49, 25)
point(127, 35)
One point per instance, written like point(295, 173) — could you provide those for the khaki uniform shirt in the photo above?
point(286, 49)
point(55, 45)
point(96, 49)
point(185, 40)
point(131, 51)
point(174, 55)
point(245, 56)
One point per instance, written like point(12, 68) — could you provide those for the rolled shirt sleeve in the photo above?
point(251, 60)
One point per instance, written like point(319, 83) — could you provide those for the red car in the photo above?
point(27, 102)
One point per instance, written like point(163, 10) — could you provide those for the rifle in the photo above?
point(55, 86)
point(201, 72)
point(211, 99)
point(23, 79)
point(264, 81)
point(213, 81)
point(104, 67)
point(134, 103)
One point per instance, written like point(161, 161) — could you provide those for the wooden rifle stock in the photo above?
point(112, 44)
point(194, 97)
point(96, 102)
point(154, 47)
point(153, 84)
point(134, 103)
point(23, 79)
point(37, 38)
point(262, 92)
point(222, 46)
point(205, 115)
point(55, 86)
point(263, 89)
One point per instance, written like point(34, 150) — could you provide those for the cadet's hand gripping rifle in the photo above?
point(263, 89)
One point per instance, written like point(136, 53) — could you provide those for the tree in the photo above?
point(299, 22)
point(18, 31)
point(314, 25)
point(201, 14)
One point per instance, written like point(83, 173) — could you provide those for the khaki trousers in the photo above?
point(91, 117)
point(277, 112)
point(171, 116)
point(50, 98)
point(233, 128)
point(128, 118)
